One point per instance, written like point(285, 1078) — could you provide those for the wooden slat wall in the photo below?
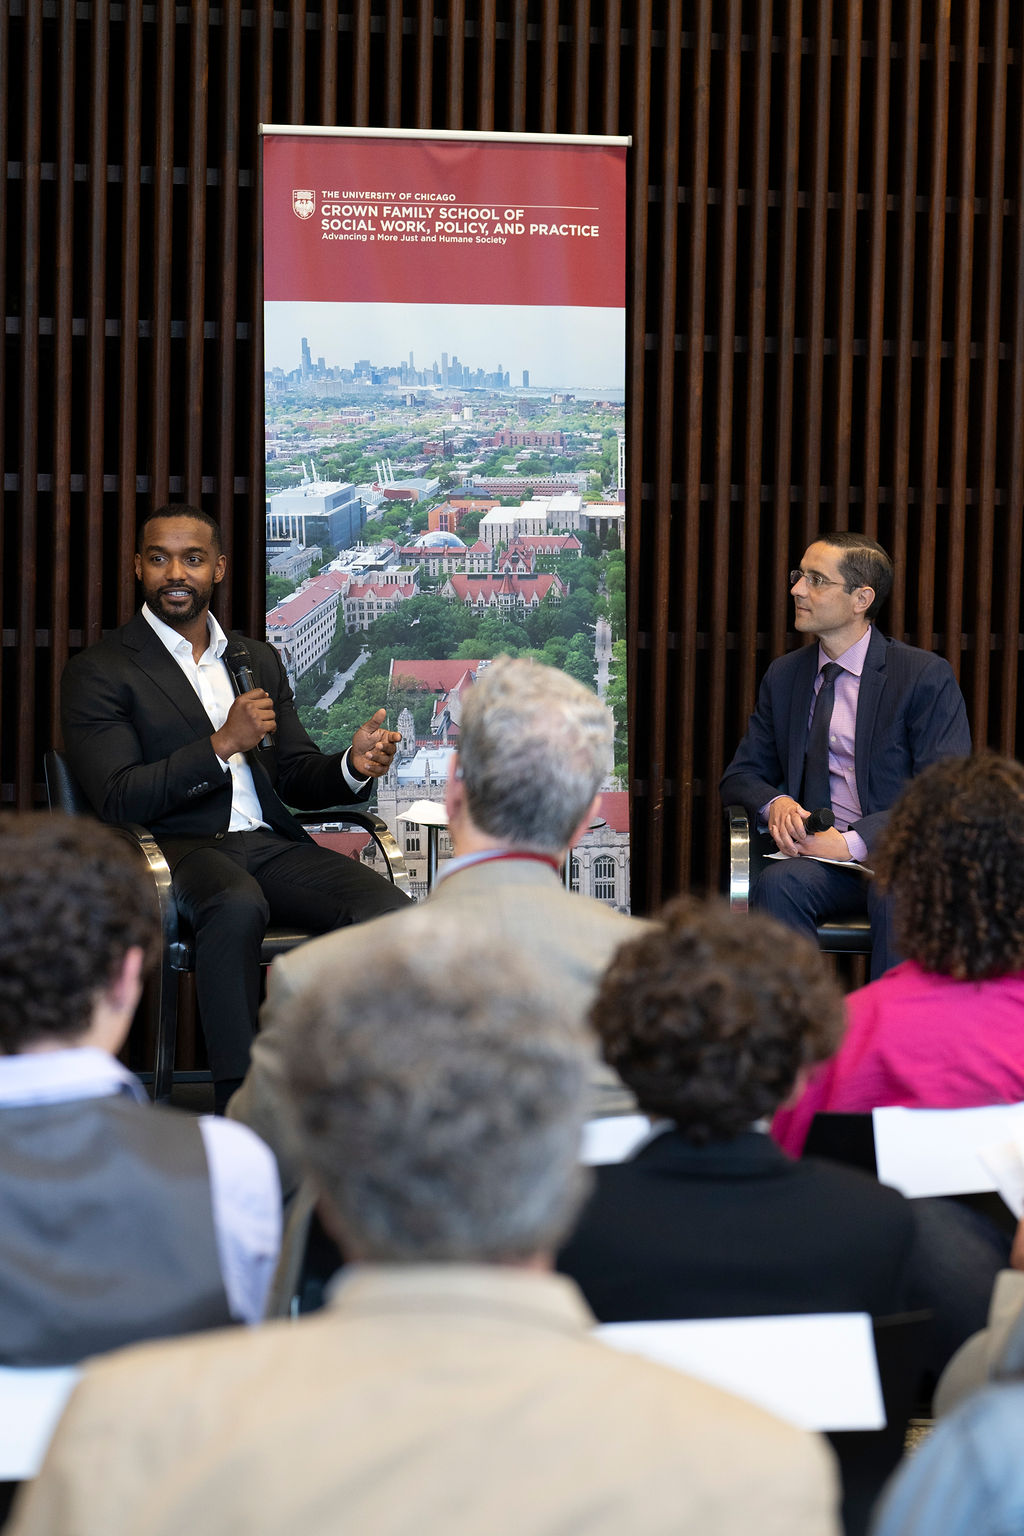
point(826, 256)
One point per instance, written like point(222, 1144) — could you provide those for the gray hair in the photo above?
point(534, 746)
point(438, 1103)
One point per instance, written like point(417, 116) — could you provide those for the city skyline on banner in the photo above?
point(559, 346)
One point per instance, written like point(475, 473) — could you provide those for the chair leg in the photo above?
point(166, 1028)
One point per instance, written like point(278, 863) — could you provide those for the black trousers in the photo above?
point(230, 888)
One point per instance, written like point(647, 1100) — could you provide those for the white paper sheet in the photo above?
point(1005, 1163)
point(817, 1371)
point(839, 863)
point(936, 1151)
point(612, 1138)
point(31, 1402)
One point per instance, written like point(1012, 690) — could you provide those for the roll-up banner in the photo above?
point(445, 436)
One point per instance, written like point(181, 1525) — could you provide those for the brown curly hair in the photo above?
point(952, 858)
point(73, 901)
point(710, 1016)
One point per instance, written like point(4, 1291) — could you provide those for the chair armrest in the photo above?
point(738, 824)
point(369, 821)
point(146, 844)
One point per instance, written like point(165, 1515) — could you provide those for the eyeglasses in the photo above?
point(814, 580)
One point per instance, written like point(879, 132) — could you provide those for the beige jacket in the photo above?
point(423, 1401)
point(517, 902)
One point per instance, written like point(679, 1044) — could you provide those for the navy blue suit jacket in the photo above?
point(138, 739)
point(910, 713)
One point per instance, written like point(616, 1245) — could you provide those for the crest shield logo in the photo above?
point(303, 202)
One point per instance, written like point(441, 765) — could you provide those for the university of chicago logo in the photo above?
point(303, 202)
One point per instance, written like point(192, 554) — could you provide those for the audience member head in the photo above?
point(439, 1103)
point(952, 858)
point(712, 1016)
point(863, 564)
point(77, 919)
point(179, 509)
point(534, 745)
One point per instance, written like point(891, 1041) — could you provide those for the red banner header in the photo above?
point(344, 214)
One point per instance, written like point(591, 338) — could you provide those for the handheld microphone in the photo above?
point(819, 821)
point(240, 668)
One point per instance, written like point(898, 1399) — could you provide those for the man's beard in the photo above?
point(181, 614)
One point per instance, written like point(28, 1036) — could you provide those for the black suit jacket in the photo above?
point(737, 1229)
point(138, 739)
point(910, 713)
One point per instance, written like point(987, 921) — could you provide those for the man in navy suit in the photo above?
point(892, 710)
point(162, 729)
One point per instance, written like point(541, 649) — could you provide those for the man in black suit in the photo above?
point(880, 711)
point(163, 726)
point(713, 1018)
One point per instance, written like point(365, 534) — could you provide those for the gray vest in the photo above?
point(106, 1230)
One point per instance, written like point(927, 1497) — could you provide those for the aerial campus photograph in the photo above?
point(442, 490)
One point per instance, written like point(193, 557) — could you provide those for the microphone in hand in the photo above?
point(819, 821)
point(240, 666)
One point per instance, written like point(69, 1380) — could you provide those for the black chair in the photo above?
point(64, 793)
point(844, 935)
point(868, 1457)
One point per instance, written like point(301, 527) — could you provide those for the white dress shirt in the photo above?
point(211, 680)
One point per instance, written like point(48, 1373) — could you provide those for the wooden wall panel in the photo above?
point(826, 255)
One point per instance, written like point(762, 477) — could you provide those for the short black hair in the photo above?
point(73, 901)
point(179, 509)
point(864, 564)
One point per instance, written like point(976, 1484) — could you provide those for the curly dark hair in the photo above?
point(179, 509)
point(710, 1016)
point(952, 858)
point(73, 901)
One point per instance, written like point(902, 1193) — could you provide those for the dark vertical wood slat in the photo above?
point(663, 461)
point(817, 268)
point(296, 61)
point(486, 64)
point(933, 332)
point(163, 247)
point(456, 89)
point(131, 222)
point(638, 521)
point(720, 725)
point(847, 264)
point(227, 273)
point(782, 554)
point(517, 121)
point(28, 397)
point(424, 62)
point(754, 404)
point(548, 91)
point(1013, 552)
point(904, 401)
point(96, 321)
point(876, 283)
point(199, 68)
point(255, 591)
point(328, 62)
point(996, 82)
point(962, 333)
point(63, 399)
point(693, 435)
point(612, 66)
point(393, 54)
point(361, 64)
point(580, 65)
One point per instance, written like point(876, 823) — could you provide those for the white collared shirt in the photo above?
point(211, 680)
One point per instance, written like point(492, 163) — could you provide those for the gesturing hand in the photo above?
point(373, 747)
